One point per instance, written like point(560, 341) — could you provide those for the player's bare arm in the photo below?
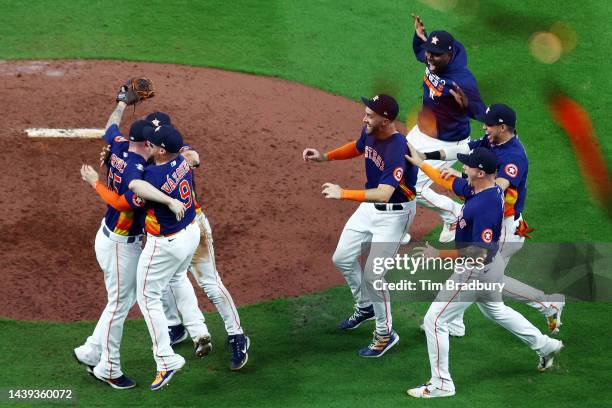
point(471, 251)
point(419, 27)
point(115, 117)
point(105, 155)
point(381, 194)
point(149, 192)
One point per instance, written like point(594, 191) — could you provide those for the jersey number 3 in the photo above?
point(185, 192)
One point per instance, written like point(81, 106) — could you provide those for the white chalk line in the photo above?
point(74, 133)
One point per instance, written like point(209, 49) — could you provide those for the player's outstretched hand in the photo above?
point(105, 155)
point(177, 208)
point(419, 27)
point(312, 155)
point(426, 252)
point(332, 191)
point(447, 172)
point(192, 157)
point(459, 96)
point(89, 174)
point(415, 157)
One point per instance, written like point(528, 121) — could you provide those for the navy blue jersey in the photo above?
point(480, 220)
point(123, 166)
point(512, 165)
point(452, 121)
point(173, 179)
point(385, 164)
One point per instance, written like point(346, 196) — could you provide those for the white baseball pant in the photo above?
point(447, 208)
point(204, 270)
point(509, 244)
point(368, 225)
point(164, 261)
point(451, 303)
point(118, 260)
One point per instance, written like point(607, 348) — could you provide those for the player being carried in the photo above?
point(450, 99)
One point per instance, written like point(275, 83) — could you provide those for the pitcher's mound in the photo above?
point(274, 232)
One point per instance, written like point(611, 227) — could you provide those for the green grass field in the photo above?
point(352, 48)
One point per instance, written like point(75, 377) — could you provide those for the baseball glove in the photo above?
point(135, 90)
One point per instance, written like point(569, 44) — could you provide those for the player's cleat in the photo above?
point(178, 334)
point(119, 383)
point(405, 239)
point(239, 343)
point(448, 233)
point(546, 361)
point(554, 319)
point(162, 378)
point(428, 391)
point(202, 346)
point(380, 344)
point(360, 315)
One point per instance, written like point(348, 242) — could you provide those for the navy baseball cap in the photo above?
point(137, 130)
point(439, 42)
point(159, 118)
point(500, 114)
point(382, 104)
point(480, 158)
point(165, 136)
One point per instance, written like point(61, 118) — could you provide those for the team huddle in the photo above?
point(489, 226)
point(149, 191)
point(151, 197)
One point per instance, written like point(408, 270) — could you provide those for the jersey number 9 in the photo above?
point(185, 192)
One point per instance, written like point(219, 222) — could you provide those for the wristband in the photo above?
point(355, 195)
point(449, 253)
point(433, 155)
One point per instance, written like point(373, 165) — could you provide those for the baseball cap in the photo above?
point(159, 118)
point(439, 42)
point(498, 114)
point(137, 130)
point(165, 136)
point(480, 158)
point(382, 104)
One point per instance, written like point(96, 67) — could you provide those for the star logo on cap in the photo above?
point(155, 122)
point(434, 40)
point(488, 110)
point(375, 98)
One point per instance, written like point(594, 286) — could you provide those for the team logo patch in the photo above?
point(398, 173)
point(511, 170)
point(138, 202)
point(140, 167)
point(487, 235)
point(120, 139)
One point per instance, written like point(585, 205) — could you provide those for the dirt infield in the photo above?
point(274, 233)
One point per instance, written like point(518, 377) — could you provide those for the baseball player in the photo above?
point(203, 268)
point(168, 251)
point(386, 212)
point(450, 99)
point(479, 228)
point(183, 291)
point(512, 168)
point(117, 247)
